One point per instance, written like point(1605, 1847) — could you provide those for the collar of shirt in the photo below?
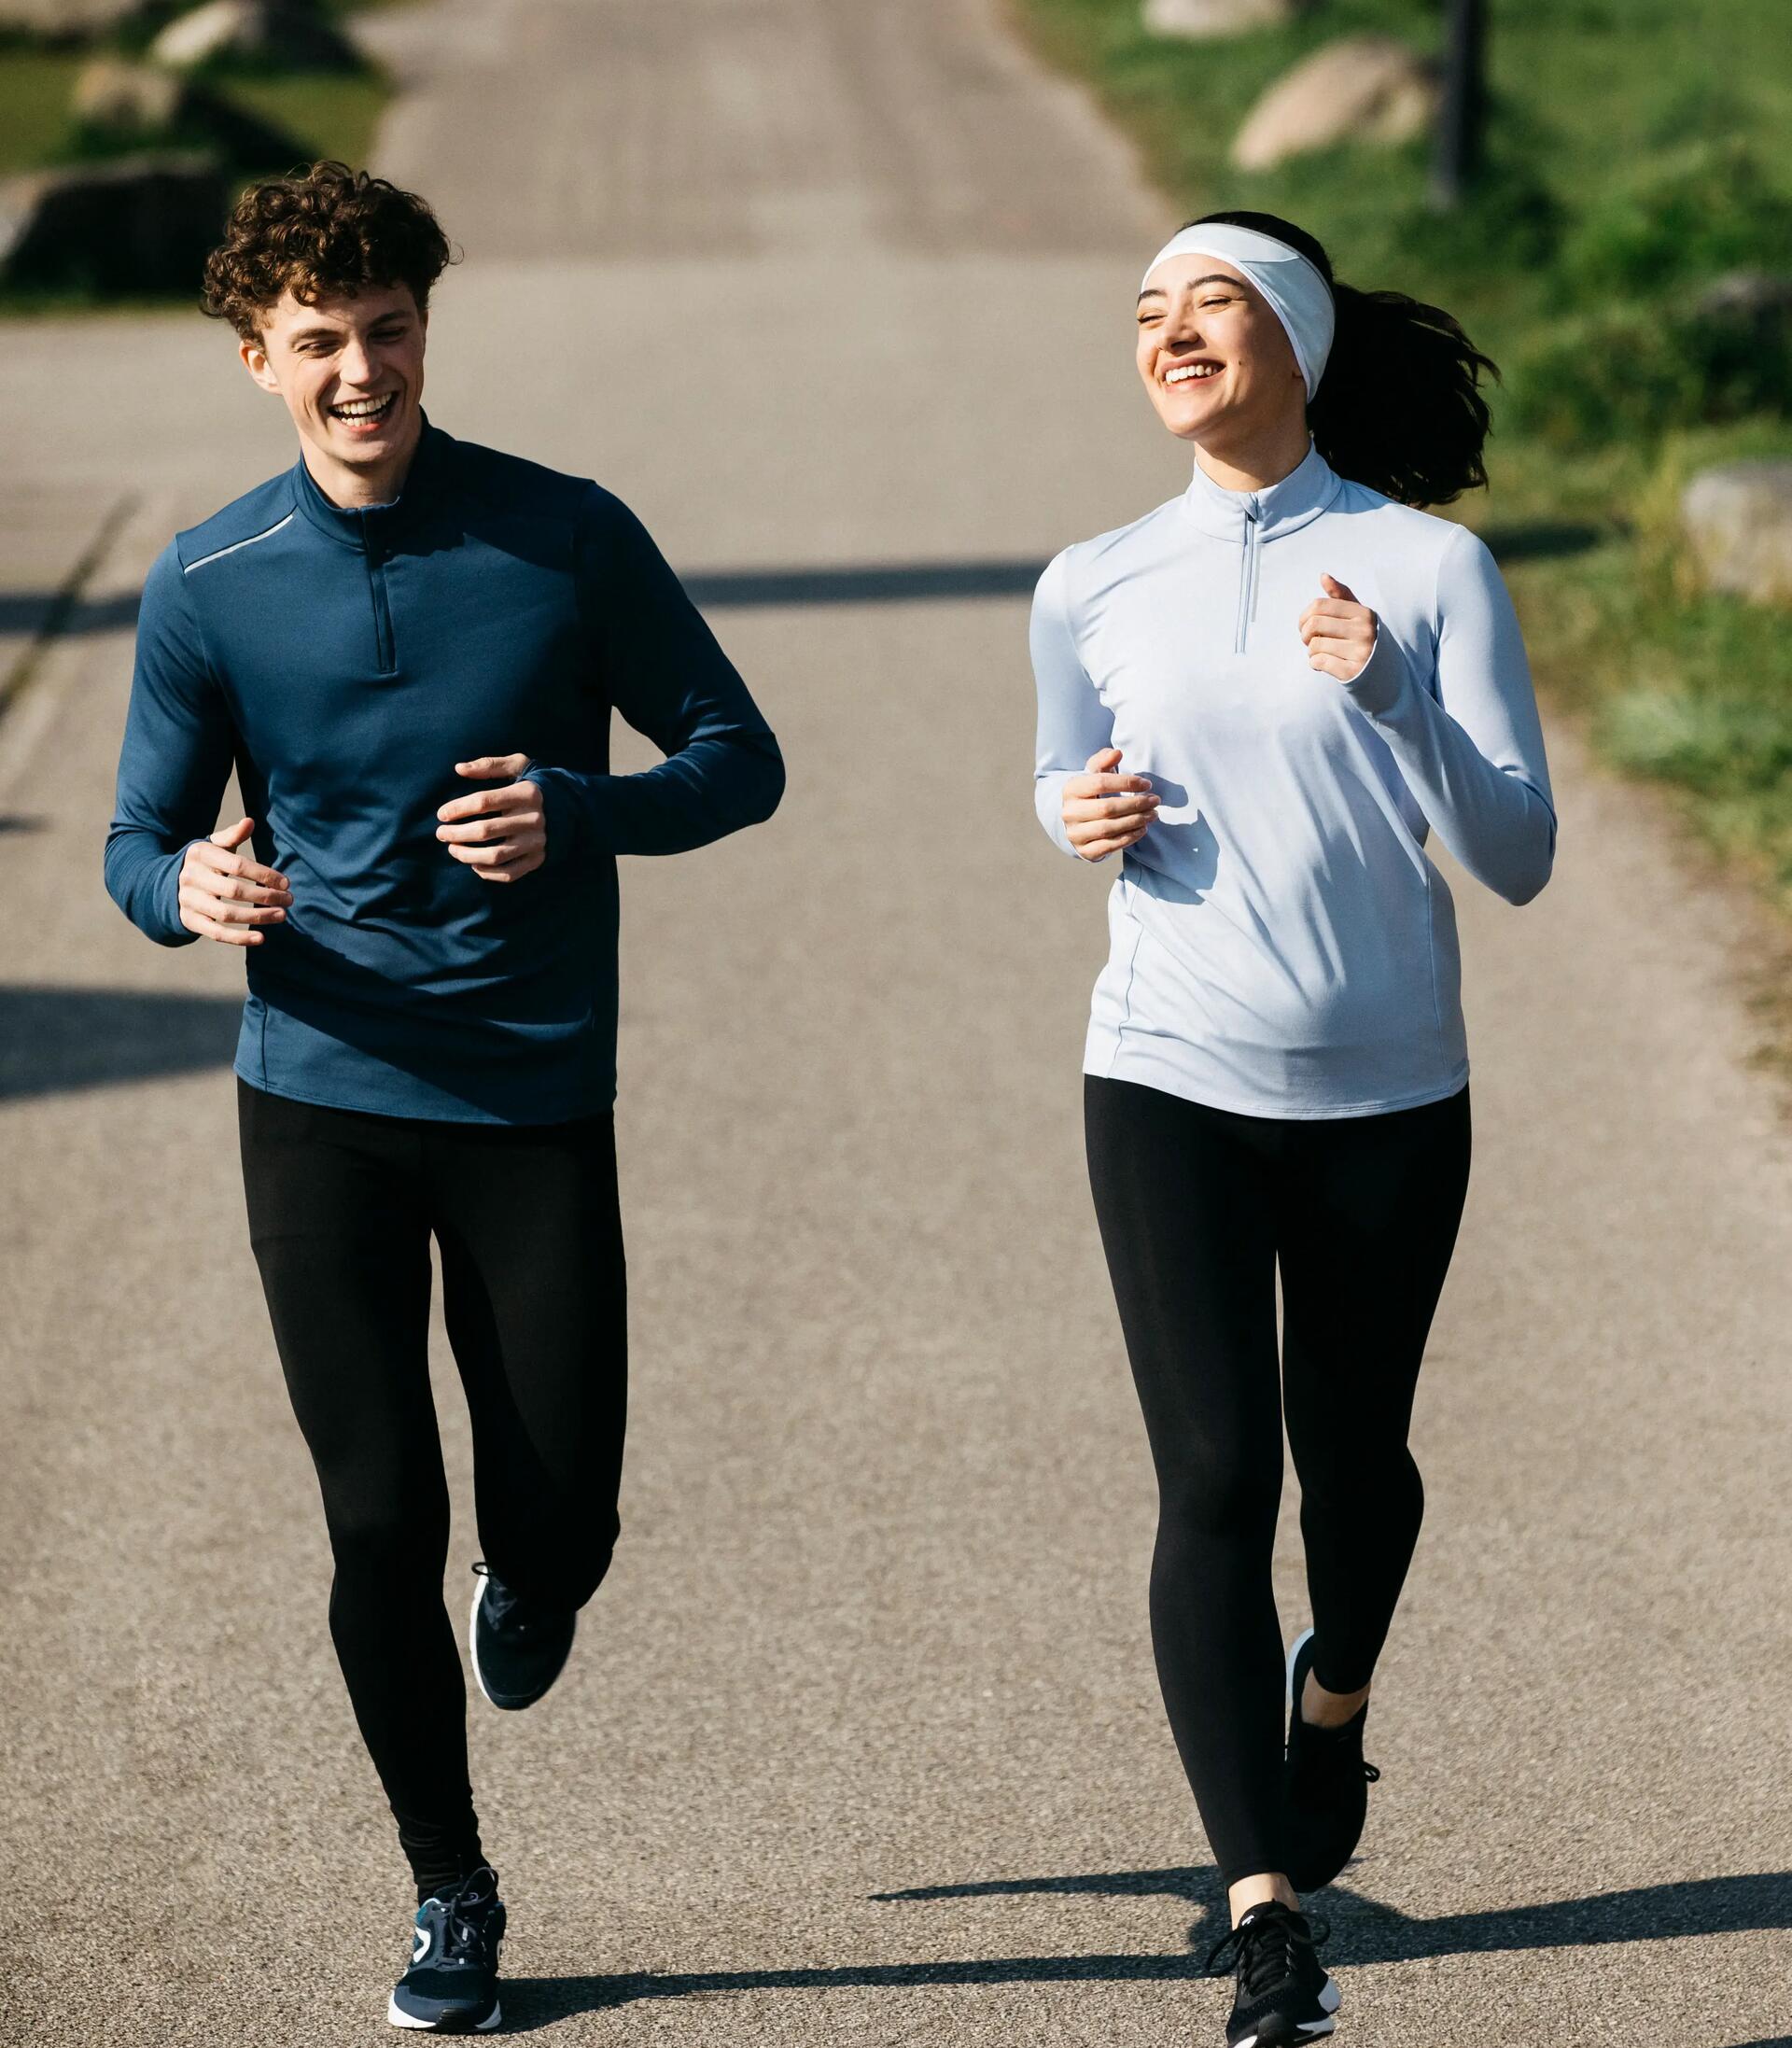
point(361, 527)
point(1292, 502)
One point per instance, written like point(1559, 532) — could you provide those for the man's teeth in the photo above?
point(364, 408)
point(1191, 369)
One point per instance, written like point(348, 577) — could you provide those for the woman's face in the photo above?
point(1218, 364)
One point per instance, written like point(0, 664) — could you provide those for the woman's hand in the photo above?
point(1104, 812)
point(1339, 633)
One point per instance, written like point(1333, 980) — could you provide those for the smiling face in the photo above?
point(350, 368)
point(1218, 364)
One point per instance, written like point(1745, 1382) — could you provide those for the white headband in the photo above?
point(1293, 287)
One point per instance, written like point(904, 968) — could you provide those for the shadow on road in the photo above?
point(56, 1039)
point(868, 583)
point(1544, 539)
point(50, 612)
point(744, 589)
point(1366, 1933)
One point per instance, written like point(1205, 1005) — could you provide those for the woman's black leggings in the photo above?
point(342, 1208)
point(1196, 1207)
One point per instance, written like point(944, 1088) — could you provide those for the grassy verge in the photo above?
point(1638, 148)
point(332, 113)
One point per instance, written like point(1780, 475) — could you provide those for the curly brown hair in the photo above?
point(322, 230)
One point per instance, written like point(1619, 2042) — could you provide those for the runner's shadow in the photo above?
point(53, 1040)
point(1364, 1932)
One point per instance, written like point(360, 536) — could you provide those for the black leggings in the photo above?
point(342, 1207)
point(1196, 1206)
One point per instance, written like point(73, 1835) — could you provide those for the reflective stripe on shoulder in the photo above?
point(218, 553)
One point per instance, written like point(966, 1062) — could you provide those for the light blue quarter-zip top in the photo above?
point(1281, 944)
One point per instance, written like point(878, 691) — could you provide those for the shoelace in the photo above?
point(503, 1609)
point(465, 1909)
point(1309, 1768)
point(1261, 1949)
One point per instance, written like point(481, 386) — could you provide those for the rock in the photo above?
point(69, 21)
point(1755, 299)
point(262, 31)
point(128, 101)
point(1360, 87)
point(143, 223)
point(1199, 18)
point(1738, 519)
point(141, 104)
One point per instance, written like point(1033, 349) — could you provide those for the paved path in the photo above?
point(863, 1745)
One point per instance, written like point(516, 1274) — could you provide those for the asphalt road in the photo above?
point(862, 1743)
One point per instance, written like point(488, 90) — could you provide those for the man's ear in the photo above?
point(255, 360)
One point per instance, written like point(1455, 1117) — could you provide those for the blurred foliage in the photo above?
point(329, 113)
point(1702, 209)
point(1635, 371)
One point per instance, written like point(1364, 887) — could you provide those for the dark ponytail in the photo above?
point(1399, 406)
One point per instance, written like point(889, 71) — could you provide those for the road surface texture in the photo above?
point(863, 1744)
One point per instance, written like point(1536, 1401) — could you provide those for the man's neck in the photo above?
point(353, 488)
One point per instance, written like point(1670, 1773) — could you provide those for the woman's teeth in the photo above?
point(364, 408)
point(1189, 371)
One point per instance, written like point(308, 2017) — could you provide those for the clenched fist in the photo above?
point(227, 897)
point(1339, 633)
point(499, 834)
point(1104, 812)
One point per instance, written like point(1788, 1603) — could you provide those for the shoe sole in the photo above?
point(504, 1706)
point(1330, 1998)
point(396, 2017)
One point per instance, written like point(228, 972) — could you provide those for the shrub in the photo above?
point(1705, 207)
point(1636, 372)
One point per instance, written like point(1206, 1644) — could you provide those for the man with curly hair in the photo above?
point(409, 647)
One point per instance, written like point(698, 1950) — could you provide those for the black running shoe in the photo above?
point(1325, 1784)
point(1283, 1994)
point(518, 1651)
point(450, 1986)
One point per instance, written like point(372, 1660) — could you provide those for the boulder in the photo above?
point(1367, 87)
point(133, 224)
point(274, 32)
point(141, 104)
point(1198, 19)
point(69, 21)
point(1738, 521)
point(129, 100)
point(1757, 299)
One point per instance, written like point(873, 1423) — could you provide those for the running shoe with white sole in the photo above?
point(451, 1986)
point(518, 1651)
point(1283, 1995)
point(1325, 1784)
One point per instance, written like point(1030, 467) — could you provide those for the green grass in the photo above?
point(331, 114)
point(1636, 148)
point(35, 87)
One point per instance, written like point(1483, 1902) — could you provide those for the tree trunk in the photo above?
point(1456, 159)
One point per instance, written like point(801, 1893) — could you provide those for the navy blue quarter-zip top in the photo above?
point(342, 661)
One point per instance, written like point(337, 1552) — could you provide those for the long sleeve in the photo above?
point(1472, 755)
point(669, 679)
point(1074, 723)
point(174, 763)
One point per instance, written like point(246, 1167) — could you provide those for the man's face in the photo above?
point(350, 369)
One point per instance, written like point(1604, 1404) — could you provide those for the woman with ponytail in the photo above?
point(1263, 696)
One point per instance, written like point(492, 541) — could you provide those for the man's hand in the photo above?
point(225, 897)
point(1339, 633)
point(499, 834)
point(1104, 812)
